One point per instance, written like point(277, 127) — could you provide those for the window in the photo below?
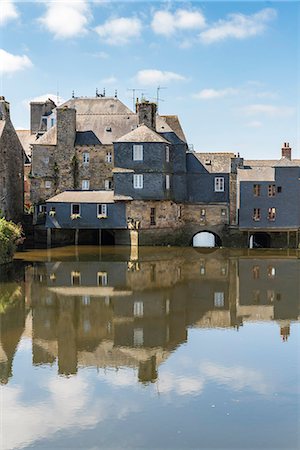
point(86, 300)
point(219, 299)
point(152, 216)
point(167, 182)
point(223, 212)
point(138, 309)
point(86, 158)
point(203, 212)
point(85, 185)
point(102, 210)
point(137, 153)
point(138, 181)
point(108, 184)
point(271, 190)
point(108, 157)
point(167, 153)
point(48, 184)
point(256, 190)
point(279, 189)
point(256, 214)
point(272, 214)
point(42, 208)
point(138, 337)
point(179, 212)
point(219, 184)
point(75, 278)
point(75, 208)
point(271, 272)
point(102, 278)
point(52, 121)
point(255, 272)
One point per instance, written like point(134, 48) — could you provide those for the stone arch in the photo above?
point(206, 239)
point(259, 240)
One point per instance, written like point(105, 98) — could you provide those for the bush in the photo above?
point(11, 235)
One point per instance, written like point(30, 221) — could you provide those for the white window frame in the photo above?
point(138, 181)
point(86, 158)
point(108, 157)
point(167, 153)
point(102, 279)
point(85, 185)
point(137, 152)
point(102, 210)
point(138, 337)
point(48, 184)
point(138, 309)
point(219, 184)
point(219, 299)
point(167, 182)
point(106, 185)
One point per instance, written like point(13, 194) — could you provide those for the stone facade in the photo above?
point(11, 167)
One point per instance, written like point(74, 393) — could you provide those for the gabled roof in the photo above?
point(142, 134)
point(215, 162)
point(87, 197)
point(97, 105)
point(174, 124)
point(286, 162)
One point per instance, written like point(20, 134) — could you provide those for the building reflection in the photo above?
point(113, 314)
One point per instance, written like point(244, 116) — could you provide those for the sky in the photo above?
point(229, 70)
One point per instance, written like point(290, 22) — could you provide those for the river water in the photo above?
point(167, 348)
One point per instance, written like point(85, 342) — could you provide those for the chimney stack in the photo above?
point(146, 113)
point(286, 151)
point(4, 109)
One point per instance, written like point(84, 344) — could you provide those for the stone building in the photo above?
point(11, 167)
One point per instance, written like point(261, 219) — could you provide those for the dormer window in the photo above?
point(219, 184)
point(138, 153)
point(86, 158)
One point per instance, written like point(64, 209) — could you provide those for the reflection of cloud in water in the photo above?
point(182, 385)
point(70, 404)
point(236, 378)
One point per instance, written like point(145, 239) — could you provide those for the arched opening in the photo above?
point(206, 239)
point(260, 240)
point(107, 237)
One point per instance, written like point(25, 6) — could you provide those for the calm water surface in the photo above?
point(165, 349)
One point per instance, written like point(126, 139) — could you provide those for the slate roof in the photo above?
point(215, 162)
point(174, 124)
point(285, 162)
point(87, 197)
point(143, 134)
point(265, 162)
point(264, 173)
point(26, 140)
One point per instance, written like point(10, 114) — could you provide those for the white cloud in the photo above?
point(209, 94)
point(268, 110)
point(150, 77)
point(109, 80)
point(167, 23)
point(8, 12)
point(42, 98)
point(119, 31)
point(10, 63)
point(254, 124)
point(238, 26)
point(66, 18)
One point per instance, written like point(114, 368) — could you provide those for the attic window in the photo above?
point(108, 129)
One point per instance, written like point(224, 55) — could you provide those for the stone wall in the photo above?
point(98, 169)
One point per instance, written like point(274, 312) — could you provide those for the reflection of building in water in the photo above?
point(112, 314)
point(12, 322)
point(269, 289)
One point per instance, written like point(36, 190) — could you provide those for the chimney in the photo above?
point(286, 151)
point(4, 109)
point(147, 113)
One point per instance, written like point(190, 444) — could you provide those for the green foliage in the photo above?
point(10, 237)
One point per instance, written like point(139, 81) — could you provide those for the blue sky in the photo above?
point(230, 68)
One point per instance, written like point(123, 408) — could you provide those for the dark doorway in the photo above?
point(260, 240)
point(107, 237)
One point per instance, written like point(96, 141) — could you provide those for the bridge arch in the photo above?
point(206, 239)
point(259, 240)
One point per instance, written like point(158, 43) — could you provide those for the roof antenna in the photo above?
point(133, 96)
point(158, 99)
point(116, 93)
point(103, 92)
point(73, 94)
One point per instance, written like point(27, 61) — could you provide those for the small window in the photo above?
point(75, 278)
point(75, 208)
point(271, 190)
point(85, 185)
point(138, 337)
point(52, 121)
point(179, 212)
point(138, 181)
point(108, 184)
point(42, 208)
point(167, 182)
point(219, 184)
point(223, 212)
point(138, 309)
point(271, 272)
point(86, 158)
point(203, 212)
point(108, 157)
point(102, 278)
point(48, 184)
point(102, 210)
point(256, 214)
point(167, 153)
point(271, 214)
point(279, 189)
point(152, 216)
point(137, 153)
point(256, 190)
point(219, 299)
